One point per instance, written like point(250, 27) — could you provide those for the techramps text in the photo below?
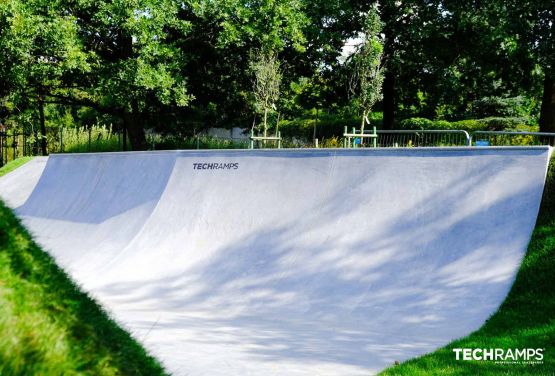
point(291, 262)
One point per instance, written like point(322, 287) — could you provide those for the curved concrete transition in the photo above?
point(317, 262)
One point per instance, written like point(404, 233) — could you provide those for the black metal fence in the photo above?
point(16, 144)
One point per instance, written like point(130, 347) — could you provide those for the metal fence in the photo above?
point(493, 138)
point(438, 138)
point(16, 144)
point(409, 138)
point(422, 138)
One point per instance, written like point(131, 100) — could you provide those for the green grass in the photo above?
point(12, 165)
point(525, 320)
point(48, 326)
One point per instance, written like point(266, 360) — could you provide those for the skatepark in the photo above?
point(296, 262)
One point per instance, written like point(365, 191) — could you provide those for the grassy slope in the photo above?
point(48, 326)
point(12, 165)
point(525, 320)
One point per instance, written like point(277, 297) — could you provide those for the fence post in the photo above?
point(251, 145)
point(375, 143)
point(1, 148)
point(345, 137)
point(279, 139)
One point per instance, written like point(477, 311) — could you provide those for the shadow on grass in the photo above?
point(48, 325)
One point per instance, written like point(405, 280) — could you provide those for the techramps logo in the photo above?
point(215, 166)
point(501, 356)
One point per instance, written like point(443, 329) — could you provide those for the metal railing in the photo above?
point(507, 138)
point(423, 138)
point(408, 138)
point(448, 137)
point(356, 137)
point(263, 139)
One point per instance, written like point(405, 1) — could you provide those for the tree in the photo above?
point(267, 78)
point(367, 77)
point(534, 22)
point(397, 18)
point(41, 54)
point(219, 53)
point(139, 65)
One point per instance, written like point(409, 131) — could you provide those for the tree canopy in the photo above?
point(181, 66)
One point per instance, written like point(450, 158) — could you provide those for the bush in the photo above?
point(471, 125)
point(500, 107)
point(503, 123)
point(416, 123)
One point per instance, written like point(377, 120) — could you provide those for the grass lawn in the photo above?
point(525, 320)
point(12, 165)
point(47, 325)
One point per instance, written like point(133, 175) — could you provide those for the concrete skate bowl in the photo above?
point(320, 262)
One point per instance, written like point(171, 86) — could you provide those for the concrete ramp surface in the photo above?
point(317, 262)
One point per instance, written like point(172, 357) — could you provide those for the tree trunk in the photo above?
point(389, 99)
point(265, 125)
point(315, 125)
point(134, 124)
point(364, 114)
point(547, 113)
point(42, 125)
point(124, 135)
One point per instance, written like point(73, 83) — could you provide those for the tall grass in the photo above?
point(101, 138)
point(169, 142)
point(97, 138)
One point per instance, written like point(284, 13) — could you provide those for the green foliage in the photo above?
point(265, 67)
point(145, 61)
point(486, 124)
point(272, 25)
point(524, 320)
point(367, 71)
point(327, 126)
point(97, 138)
point(180, 67)
point(501, 107)
point(50, 327)
point(417, 123)
point(101, 139)
point(499, 124)
point(160, 142)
